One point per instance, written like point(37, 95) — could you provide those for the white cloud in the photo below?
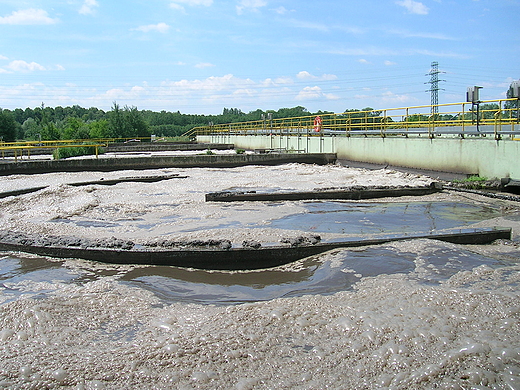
point(22, 66)
point(244, 92)
point(304, 75)
point(3, 57)
point(28, 16)
point(212, 91)
point(389, 63)
point(414, 7)
point(269, 82)
point(205, 3)
point(116, 94)
point(361, 97)
point(283, 80)
point(391, 98)
point(159, 27)
point(313, 93)
point(368, 51)
point(177, 7)
point(203, 65)
point(409, 34)
point(249, 5)
point(178, 4)
point(440, 54)
point(88, 7)
point(308, 25)
point(363, 61)
point(281, 10)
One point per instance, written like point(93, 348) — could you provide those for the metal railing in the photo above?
point(455, 119)
point(18, 148)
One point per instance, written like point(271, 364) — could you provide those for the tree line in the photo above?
point(75, 122)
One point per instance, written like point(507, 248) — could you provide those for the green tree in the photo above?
point(291, 112)
point(99, 129)
point(7, 126)
point(116, 122)
point(31, 129)
point(488, 111)
point(417, 118)
point(75, 128)
point(134, 124)
point(50, 132)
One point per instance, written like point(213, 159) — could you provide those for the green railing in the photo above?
point(456, 119)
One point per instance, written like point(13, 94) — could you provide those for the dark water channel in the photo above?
point(325, 274)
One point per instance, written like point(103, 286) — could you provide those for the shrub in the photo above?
point(74, 151)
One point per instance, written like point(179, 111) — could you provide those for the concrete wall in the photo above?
point(156, 162)
point(483, 156)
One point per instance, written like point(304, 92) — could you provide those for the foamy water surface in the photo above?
point(416, 314)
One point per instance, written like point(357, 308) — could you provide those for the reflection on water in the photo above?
point(337, 217)
point(335, 271)
point(324, 274)
point(370, 218)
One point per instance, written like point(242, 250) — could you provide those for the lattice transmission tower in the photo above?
point(434, 86)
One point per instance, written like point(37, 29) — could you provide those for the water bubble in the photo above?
point(277, 314)
point(6, 384)
point(200, 376)
point(370, 335)
point(96, 385)
point(5, 334)
point(507, 323)
point(474, 349)
point(171, 348)
point(510, 354)
point(60, 374)
point(22, 335)
point(345, 323)
point(26, 371)
point(246, 383)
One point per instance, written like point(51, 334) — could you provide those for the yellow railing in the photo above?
point(18, 148)
point(456, 119)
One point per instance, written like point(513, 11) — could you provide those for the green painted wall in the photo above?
point(483, 156)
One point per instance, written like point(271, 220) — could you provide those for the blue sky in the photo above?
point(199, 56)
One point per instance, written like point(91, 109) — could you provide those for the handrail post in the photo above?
point(463, 119)
point(383, 125)
point(431, 127)
point(498, 122)
point(407, 117)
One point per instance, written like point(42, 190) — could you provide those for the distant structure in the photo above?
point(434, 86)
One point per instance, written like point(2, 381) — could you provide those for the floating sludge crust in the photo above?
point(17, 238)
point(24, 239)
point(364, 188)
point(165, 243)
